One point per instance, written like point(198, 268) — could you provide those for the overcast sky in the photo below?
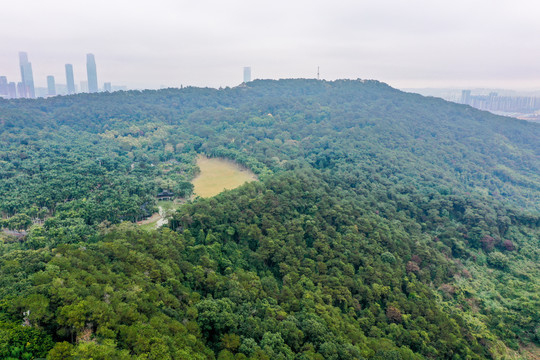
point(405, 43)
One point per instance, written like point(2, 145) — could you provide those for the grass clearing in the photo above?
point(216, 175)
point(166, 208)
point(219, 174)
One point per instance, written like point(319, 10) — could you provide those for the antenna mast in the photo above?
point(318, 78)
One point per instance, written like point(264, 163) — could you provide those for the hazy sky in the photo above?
point(406, 43)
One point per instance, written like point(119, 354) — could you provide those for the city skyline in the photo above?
point(142, 45)
point(7, 88)
point(91, 85)
point(448, 93)
point(83, 73)
point(25, 88)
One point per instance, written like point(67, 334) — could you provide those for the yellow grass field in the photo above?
point(219, 174)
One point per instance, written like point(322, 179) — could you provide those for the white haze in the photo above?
point(147, 44)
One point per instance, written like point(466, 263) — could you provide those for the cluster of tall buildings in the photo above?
point(26, 89)
point(495, 103)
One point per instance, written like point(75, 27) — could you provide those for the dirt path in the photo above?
point(155, 217)
point(158, 219)
point(163, 218)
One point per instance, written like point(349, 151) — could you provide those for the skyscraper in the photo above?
point(27, 77)
point(466, 97)
point(107, 87)
point(70, 81)
point(92, 73)
point(3, 86)
point(247, 74)
point(51, 86)
point(12, 90)
point(21, 90)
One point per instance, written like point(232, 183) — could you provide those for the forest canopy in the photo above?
point(385, 225)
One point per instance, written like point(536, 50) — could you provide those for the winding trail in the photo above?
point(163, 218)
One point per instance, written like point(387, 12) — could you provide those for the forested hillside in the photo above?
point(385, 225)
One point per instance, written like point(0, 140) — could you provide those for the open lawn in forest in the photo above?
point(218, 174)
point(166, 208)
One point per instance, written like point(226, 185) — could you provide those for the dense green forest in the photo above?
point(385, 225)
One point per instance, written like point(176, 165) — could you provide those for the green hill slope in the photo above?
point(385, 225)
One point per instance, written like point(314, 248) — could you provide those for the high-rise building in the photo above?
point(70, 80)
point(466, 97)
point(107, 87)
point(21, 90)
point(247, 74)
point(92, 73)
point(51, 86)
point(3, 86)
point(27, 77)
point(12, 90)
